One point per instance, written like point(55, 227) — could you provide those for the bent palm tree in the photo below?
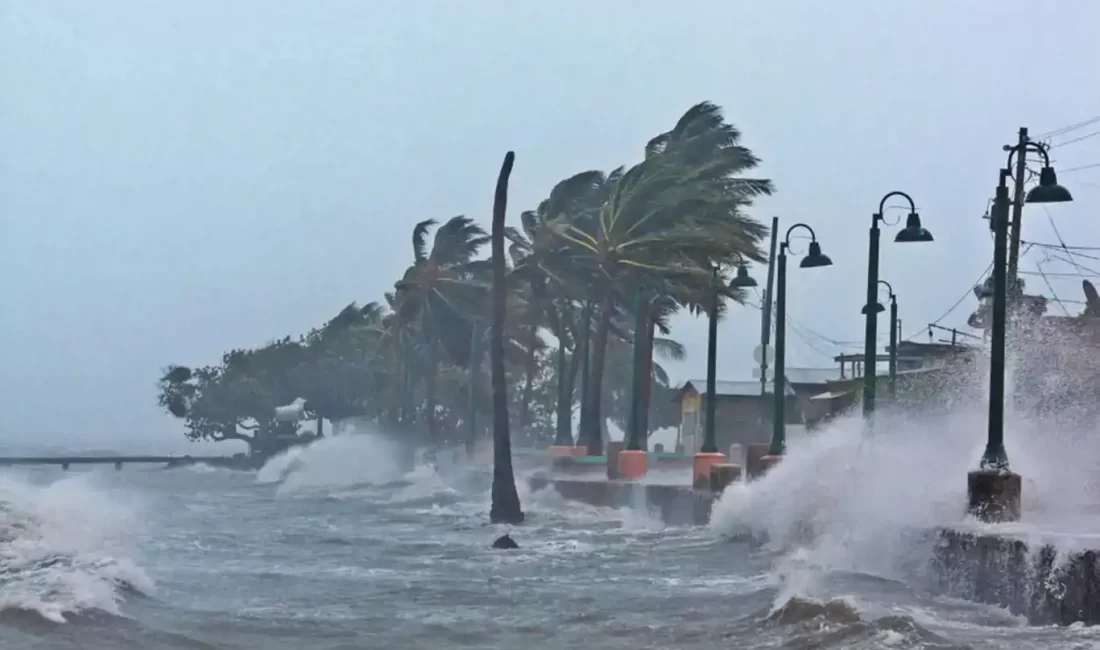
point(439, 291)
point(505, 508)
point(669, 219)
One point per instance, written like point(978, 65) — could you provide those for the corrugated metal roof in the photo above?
point(750, 388)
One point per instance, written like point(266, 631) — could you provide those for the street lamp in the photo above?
point(913, 232)
point(878, 308)
point(708, 453)
point(814, 258)
point(993, 491)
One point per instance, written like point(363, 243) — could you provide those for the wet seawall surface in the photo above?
point(1034, 580)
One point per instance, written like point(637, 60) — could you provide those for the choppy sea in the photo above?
point(337, 546)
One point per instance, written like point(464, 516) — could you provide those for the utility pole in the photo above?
point(766, 312)
point(1017, 210)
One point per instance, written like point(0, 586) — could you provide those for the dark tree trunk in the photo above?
point(433, 372)
point(591, 427)
point(563, 434)
point(528, 376)
point(647, 377)
point(505, 508)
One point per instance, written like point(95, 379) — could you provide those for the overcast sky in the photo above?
point(181, 178)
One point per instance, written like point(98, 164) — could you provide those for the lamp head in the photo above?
point(815, 257)
point(913, 231)
point(1048, 190)
point(742, 280)
point(877, 308)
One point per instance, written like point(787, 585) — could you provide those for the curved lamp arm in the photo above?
point(889, 195)
point(787, 239)
point(1027, 146)
point(888, 286)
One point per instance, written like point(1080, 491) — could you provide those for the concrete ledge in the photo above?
point(676, 505)
point(1031, 582)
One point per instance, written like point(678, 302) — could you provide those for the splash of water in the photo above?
point(333, 463)
point(65, 548)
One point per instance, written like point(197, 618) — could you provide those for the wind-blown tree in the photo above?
point(236, 400)
point(439, 292)
point(344, 367)
point(505, 506)
point(665, 223)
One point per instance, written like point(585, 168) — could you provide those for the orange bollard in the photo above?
point(700, 468)
point(768, 462)
point(632, 464)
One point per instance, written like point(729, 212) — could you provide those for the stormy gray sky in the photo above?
point(180, 178)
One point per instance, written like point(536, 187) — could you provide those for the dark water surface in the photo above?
point(346, 552)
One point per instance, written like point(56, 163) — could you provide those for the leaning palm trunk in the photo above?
point(592, 426)
point(505, 508)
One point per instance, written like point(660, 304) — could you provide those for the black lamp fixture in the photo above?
point(1048, 190)
point(742, 280)
point(815, 258)
point(913, 231)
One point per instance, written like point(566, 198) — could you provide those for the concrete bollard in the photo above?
point(754, 460)
point(700, 468)
point(633, 464)
point(722, 474)
point(614, 448)
point(118, 467)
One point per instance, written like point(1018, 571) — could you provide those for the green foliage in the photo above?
point(660, 225)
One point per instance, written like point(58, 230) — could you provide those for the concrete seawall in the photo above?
point(1035, 581)
point(1029, 579)
point(676, 505)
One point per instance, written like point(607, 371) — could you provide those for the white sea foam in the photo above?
point(852, 500)
point(66, 547)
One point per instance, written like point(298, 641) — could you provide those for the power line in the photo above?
point(969, 291)
point(1078, 139)
point(1039, 267)
point(1066, 129)
point(1077, 169)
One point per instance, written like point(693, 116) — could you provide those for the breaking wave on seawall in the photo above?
point(66, 549)
point(848, 502)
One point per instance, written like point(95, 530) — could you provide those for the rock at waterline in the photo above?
point(505, 542)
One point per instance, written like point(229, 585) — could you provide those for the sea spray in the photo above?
point(66, 547)
point(335, 462)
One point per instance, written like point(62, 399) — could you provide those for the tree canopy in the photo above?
point(411, 363)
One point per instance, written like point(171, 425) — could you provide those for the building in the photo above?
point(743, 409)
point(928, 376)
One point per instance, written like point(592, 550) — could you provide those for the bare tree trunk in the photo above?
point(647, 376)
point(505, 508)
point(591, 427)
point(528, 376)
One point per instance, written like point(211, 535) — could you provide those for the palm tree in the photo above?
point(505, 506)
point(439, 292)
point(535, 251)
point(666, 221)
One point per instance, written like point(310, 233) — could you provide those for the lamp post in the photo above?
point(708, 453)
point(913, 232)
point(814, 258)
point(993, 490)
point(893, 332)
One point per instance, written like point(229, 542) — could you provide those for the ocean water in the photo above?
point(337, 546)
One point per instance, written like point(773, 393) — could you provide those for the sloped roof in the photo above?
point(750, 388)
